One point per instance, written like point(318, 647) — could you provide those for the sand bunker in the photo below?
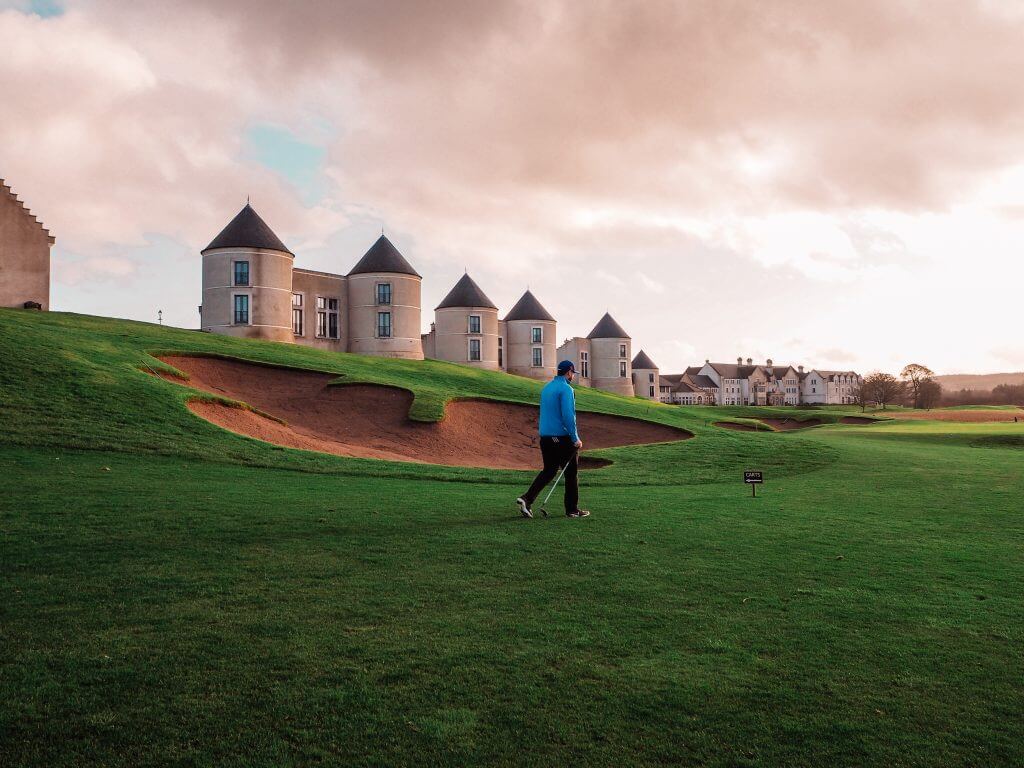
point(857, 420)
point(780, 425)
point(740, 427)
point(787, 424)
point(372, 421)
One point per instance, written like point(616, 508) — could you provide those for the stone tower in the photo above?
point(466, 326)
point(384, 304)
point(529, 339)
point(610, 357)
point(247, 281)
point(645, 376)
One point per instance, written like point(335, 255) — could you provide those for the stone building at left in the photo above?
point(252, 288)
point(24, 255)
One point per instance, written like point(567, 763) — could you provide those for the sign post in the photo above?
point(753, 478)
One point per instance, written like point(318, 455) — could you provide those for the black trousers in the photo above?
point(557, 452)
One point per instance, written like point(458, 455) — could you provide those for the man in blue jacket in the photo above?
point(559, 442)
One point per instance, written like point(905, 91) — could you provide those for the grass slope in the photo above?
point(78, 381)
point(192, 599)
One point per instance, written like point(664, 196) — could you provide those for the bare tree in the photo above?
point(929, 393)
point(915, 375)
point(883, 388)
point(861, 395)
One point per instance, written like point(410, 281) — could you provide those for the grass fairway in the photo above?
point(173, 594)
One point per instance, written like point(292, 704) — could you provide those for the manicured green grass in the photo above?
point(173, 594)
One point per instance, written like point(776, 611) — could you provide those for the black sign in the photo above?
point(753, 477)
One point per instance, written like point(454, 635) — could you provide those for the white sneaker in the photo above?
point(524, 508)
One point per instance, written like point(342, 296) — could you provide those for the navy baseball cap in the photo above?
point(565, 366)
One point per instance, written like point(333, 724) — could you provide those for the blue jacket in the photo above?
point(558, 409)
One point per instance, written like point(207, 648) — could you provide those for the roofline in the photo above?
point(249, 248)
point(50, 239)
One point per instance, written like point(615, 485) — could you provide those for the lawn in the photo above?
point(173, 594)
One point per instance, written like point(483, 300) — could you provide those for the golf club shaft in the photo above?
point(557, 479)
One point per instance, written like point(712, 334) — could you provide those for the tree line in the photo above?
point(1002, 394)
point(916, 387)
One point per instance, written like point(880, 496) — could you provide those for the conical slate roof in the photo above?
point(643, 362)
point(466, 293)
point(607, 328)
point(528, 308)
point(247, 230)
point(383, 257)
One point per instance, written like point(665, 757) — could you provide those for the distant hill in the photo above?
point(983, 382)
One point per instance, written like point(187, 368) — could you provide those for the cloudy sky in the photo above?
point(834, 183)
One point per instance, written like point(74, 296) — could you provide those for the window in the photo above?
point(538, 357)
point(474, 323)
point(622, 369)
point(537, 335)
point(652, 391)
point(321, 317)
point(326, 317)
point(297, 314)
point(241, 310)
point(650, 377)
point(241, 273)
point(332, 318)
point(501, 352)
point(384, 325)
point(383, 293)
point(622, 350)
point(474, 349)
point(585, 365)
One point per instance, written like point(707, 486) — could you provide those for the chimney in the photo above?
point(739, 361)
point(769, 361)
point(750, 361)
point(707, 360)
point(800, 368)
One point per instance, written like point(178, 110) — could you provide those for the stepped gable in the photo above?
point(5, 189)
point(528, 308)
point(247, 230)
point(643, 361)
point(607, 328)
point(466, 293)
point(383, 257)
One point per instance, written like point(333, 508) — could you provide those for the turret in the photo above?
point(529, 340)
point(384, 305)
point(247, 281)
point(465, 328)
point(610, 357)
point(645, 376)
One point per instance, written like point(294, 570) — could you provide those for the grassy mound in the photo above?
point(85, 382)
